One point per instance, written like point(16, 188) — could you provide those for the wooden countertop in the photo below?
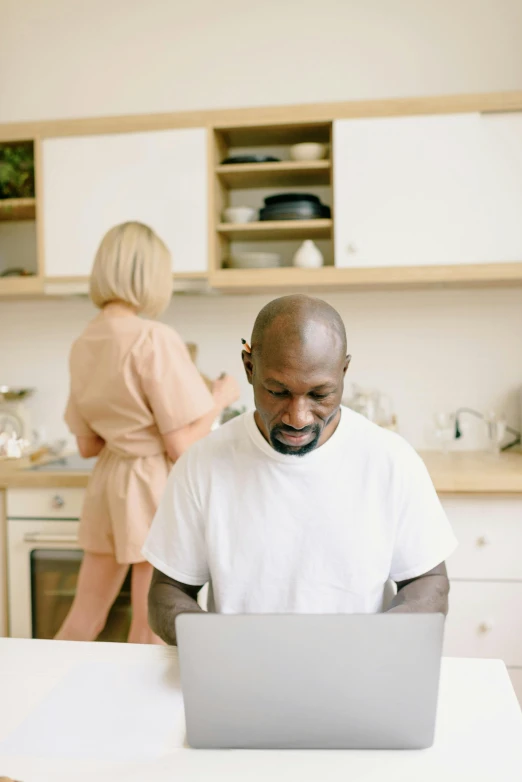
point(465, 472)
point(17, 473)
point(475, 472)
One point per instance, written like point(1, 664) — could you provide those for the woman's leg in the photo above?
point(140, 632)
point(99, 582)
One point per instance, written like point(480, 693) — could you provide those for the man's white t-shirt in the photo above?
point(320, 533)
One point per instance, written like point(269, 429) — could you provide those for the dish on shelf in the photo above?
point(283, 198)
point(253, 260)
point(293, 206)
point(239, 214)
point(308, 150)
point(234, 159)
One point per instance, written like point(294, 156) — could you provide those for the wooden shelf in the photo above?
point(277, 229)
point(284, 174)
point(20, 286)
point(333, 278)
point(17, 209)
point(263, 135)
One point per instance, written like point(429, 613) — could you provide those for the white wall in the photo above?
point(70, 59)
point(428, 350)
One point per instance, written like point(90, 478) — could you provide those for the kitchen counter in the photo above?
point(21, 473)
point(475, 472)
point(478, 736)
point(465, 472)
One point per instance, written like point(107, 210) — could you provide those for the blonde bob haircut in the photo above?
point(133, 266)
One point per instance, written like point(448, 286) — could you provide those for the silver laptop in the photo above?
point(310, 682)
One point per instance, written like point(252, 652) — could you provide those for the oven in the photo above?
point(43, 563)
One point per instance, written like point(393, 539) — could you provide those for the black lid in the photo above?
point(286, 197)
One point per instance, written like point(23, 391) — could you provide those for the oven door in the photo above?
point(43, 564)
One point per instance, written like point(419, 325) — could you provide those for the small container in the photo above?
point(239, 214)
point(308, 256)
point(308, 150)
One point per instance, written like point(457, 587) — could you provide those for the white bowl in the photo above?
point(239, 214)
point(247, 260)
point(308, 150)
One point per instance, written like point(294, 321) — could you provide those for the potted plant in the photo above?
point(16, 170)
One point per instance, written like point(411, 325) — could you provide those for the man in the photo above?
point(303, 506)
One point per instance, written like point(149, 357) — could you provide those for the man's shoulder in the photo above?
point(221, 443)
point(374, 440)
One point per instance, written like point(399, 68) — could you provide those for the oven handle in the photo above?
point(42, 537)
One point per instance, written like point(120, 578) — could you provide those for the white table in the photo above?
point(478, 737)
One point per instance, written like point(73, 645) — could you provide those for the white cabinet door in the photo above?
point(489, 532)
point(485, 620)
point(92, 183)
point(413, 191)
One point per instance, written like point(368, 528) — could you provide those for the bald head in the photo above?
point(297, 367)
point(298, 319)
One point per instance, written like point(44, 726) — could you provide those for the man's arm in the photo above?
point(425, 594)
point(167, 599)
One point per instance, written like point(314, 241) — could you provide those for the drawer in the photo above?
point(489, 531)
point(44, 503)
point(515, 674)
point(485, 620)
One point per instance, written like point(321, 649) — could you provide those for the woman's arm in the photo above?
point(225, 391)
point(90, 446)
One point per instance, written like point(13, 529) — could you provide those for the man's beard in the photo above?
point(281, 447)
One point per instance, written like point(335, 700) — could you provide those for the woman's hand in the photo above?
point(225, 391)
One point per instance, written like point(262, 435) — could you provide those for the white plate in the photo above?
point(254, 260)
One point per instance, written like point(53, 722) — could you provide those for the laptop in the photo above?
point(310, 682)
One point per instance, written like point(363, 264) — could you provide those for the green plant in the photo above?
point(17, 170)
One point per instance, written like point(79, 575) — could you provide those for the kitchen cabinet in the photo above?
point(485, 619)
point(91, 183)
point(428, 190)
point(3, 566)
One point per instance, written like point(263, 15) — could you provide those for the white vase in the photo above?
point(308, 256)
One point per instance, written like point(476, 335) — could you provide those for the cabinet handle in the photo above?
point(43, 537)
point(57, 502)
point(485, 627)
point(482, 541)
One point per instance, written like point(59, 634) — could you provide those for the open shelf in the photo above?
point(287, 173)
point(277, 229)
point(17, 209)
point(21, 286)
point(334, 278)
point(279, 134)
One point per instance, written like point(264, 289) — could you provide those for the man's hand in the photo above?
point(425, 594)
point(167, 599)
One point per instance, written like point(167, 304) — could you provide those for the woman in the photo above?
point(136, 402)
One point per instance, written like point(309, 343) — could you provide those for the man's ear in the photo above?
point(248, 364)
point(346, 364)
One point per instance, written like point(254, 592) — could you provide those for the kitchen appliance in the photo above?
point(294, 206)
point(14, 414)
point(43, 559)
